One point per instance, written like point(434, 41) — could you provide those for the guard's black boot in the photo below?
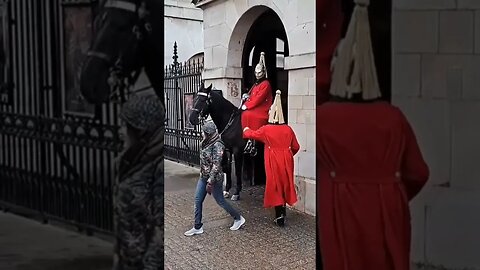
point(250, 148)
point(253, 152)
point(280, 213)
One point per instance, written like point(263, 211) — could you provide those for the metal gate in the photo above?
point(56, 152)
point(181, 81)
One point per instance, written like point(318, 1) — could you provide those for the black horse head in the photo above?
point(201, 104)
point(119, 28)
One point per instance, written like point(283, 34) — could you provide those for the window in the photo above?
point(280, 51)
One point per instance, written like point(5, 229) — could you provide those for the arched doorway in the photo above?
point(261, 30)
point(267, 34)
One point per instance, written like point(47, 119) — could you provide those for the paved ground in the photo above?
point(26, 244)
point(258, 245)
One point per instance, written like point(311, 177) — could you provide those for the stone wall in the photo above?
point(226, 24)
point(183, 24)
point(436, 80)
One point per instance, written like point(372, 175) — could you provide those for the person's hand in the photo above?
point(244, 107)
point(209, 187)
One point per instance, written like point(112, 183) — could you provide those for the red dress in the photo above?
point(258, 105)
point(369, 166)
point(280, 146)
point(329, 25)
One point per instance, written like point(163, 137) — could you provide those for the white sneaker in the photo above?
point(237, 224)
point(226, 194)
point(193, 231)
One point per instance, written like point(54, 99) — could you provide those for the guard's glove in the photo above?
point(244, 107)
point(209, 187)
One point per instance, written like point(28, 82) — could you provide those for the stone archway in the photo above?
point(260, 29)
point(268, 35)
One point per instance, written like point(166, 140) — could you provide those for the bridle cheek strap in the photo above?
point(128, 6)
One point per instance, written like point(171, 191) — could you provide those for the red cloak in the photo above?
point(257, 105)
point(280, 146)
point(369, 166)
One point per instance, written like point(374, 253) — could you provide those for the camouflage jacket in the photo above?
point(211, 162)
point(139, 199)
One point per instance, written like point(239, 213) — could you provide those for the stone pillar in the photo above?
point(301, 97)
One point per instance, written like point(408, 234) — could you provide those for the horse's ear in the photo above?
point(209, 88)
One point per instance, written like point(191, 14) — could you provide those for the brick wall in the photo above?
point(436, 82)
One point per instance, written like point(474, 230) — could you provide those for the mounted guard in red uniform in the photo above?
point(256, 103)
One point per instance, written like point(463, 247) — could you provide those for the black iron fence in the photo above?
point(56, 157)
point(182, 80)
point(56, 152)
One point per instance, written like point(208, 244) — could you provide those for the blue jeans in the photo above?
point(217, 194)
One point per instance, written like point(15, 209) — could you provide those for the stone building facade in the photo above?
point(229, 30)
point(436, 82)
point(184, 25)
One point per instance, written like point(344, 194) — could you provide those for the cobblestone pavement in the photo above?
point(258, 245)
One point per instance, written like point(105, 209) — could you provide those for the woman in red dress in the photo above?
point(369, 165)
point(280, 146)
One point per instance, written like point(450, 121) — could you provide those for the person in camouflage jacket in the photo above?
point(211, 179)
point(138, 193)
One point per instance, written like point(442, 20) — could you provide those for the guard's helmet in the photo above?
point(261, 67)
point(275, 115)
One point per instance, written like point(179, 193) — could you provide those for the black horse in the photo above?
point(227, 118)
point(128, 36)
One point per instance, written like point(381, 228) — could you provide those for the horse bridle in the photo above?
point(201, 113)
point(117, 76)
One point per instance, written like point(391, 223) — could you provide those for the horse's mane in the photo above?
point(225, 104)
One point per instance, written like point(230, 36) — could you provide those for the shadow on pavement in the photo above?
point(96, 262)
